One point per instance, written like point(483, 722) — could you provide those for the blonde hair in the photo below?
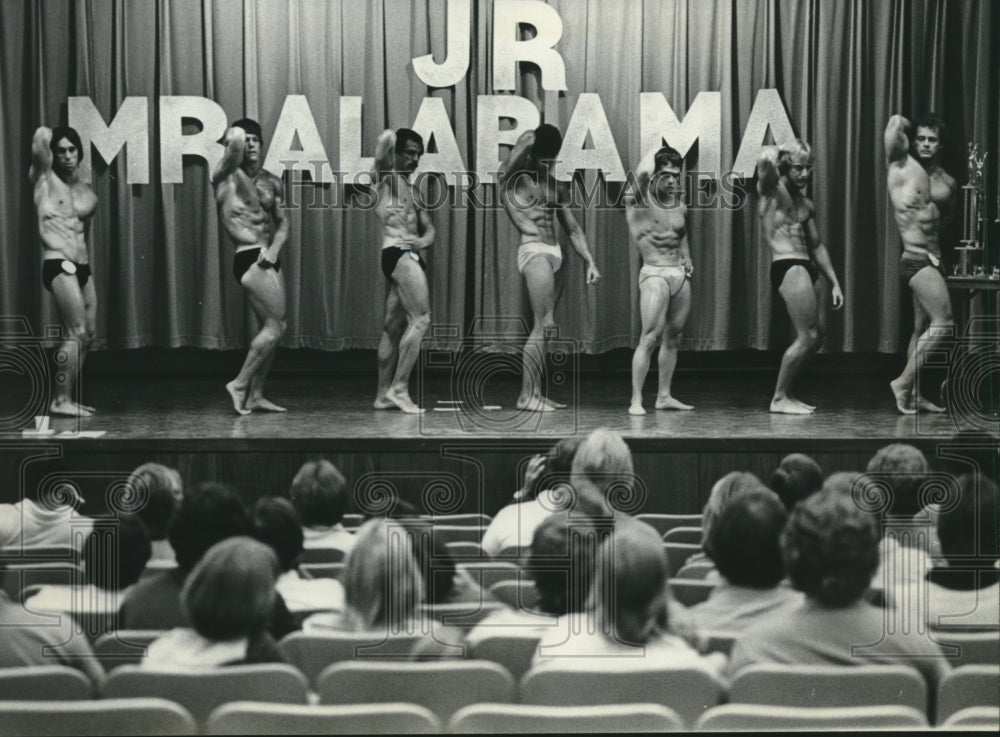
point(382, 583)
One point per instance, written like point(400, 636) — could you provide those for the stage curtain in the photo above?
point(162, 266)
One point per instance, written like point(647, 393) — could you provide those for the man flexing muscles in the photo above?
point(533, 200)
point(249, 201)
point(406, 230)
point(657, 223)
point(65, 206)
point(922, 195)
point(797, 257)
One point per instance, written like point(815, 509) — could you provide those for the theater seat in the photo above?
point(148, 716)
point(517, 718)
point(264, 719)
point(759, 718)
point(44, 682)
point(968, 686)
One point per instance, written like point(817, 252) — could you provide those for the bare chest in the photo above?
point(69, 200)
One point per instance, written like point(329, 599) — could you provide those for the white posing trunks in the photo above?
point(527, 251)
point(674, 276)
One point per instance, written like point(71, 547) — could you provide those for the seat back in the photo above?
point(488, 572)
point(466, 551)
point(688, 691)
point(970, 647)
point(517, 594)
point(691, 591)
point(444, 534)
point(689, 535)
point(677, 555)
point(974, 717)
point(442, 687)
point(19, 576)
point(759, 718)
point(829, 686)
point(44, 683)
point(663, 523)
point(464, 614)
point(518, 718)
point(321, 555)
point(150, 716)
point(246, 717)
point(717, 641)
point(513, 553)
point(322, 570)
point(312, 653)
point(201, 692)
point(467, 520)
point(352, 521)
point(124, 647)
point(968, 686)
point(512, 652)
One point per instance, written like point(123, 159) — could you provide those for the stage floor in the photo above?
point(732, 407)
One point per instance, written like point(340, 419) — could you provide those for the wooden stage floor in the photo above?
point(731, 412)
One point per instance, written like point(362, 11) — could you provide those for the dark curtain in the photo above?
point(842, 68)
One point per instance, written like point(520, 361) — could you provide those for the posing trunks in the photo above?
point(53, 267)
point(391, 256)
point(243, 260)
point(527, 251)
point(674, 276)
point(781, 267)
point(910, 263)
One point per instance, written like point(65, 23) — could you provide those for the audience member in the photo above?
point(626, 624)
point(228, 599)
point(113, 560)
point(382, 584)
point(745, 545)
point(162, 489)
point(830, 547)
point(46, 516)
point(729, 486)
point(209, 513)
point(276, 523)
point(515, 524)
point(560, 562)
point(602, 475)
point(795, 478)
point(319, 493)
point(966, 591)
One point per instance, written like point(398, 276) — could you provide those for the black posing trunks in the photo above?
point(53, 267)
point(910, 263)
point(391, 256)
point(780, 268)
point(243, 260)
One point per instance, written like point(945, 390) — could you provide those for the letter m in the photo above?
point(129, 128)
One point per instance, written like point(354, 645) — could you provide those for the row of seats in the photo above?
point(162, 717)
point(445, 687)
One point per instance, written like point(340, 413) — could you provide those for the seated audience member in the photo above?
point(561, 564)
point(276, 523)
point(729, 486)
point(966, 592)
point(444, 583)
point(626, 625)
point(795, 478)
point(319, 493)
point(46, 516)
point(602, 475)
point(33, 639)
point(382, 584)
point(830, 547)
point(515, 524)
point(209, 513)
point(745, 545)
point(163, 490)
point(228, 599)
point(111, 568)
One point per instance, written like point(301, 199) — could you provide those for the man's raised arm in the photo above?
point(236, 143)
point(385, 148)
point(516, 161)
point(897, 144)
point(41, 154)
point(768, 173)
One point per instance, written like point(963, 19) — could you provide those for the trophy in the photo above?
point(970, 253)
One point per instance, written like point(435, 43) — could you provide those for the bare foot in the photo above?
point(382, 403)
point(636, 407)
point(553, 404)
point(809, 407)
point(904, 401)
point(239, 397)
point(789, 406)
point(86, 407)
point(66, 408)
point(403, 401)
point(265, 405)
point(669, 402)
point(533, 404)
point(926, 405)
